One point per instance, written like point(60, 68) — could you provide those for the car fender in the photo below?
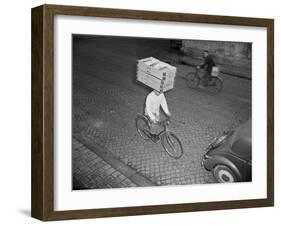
point(223, 160)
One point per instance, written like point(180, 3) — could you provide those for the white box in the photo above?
point(156, 74)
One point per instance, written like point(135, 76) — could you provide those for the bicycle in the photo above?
point(170, 142)
point(193, 79)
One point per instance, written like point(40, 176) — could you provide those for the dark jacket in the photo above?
point(208, 64)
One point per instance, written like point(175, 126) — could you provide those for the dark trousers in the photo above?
point(206, 77)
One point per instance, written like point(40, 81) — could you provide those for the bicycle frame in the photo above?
point(174, 146)
point(200, 75)
point(165, 128)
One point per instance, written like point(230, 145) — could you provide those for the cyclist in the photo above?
point(154, 101)
point(207, 65)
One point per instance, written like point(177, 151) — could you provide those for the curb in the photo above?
point(118, 165)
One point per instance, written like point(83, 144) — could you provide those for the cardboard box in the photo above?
point(156, 74)
point(215, 71)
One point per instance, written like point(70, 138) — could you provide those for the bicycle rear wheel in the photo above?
point(143, 127)
point(172, 145)
point(192, 80)
point(216, 85)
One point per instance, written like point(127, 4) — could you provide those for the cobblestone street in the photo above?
point(107, 150)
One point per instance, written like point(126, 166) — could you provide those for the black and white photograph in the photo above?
point(160, 112)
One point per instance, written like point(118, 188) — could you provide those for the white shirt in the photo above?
point(153, 103)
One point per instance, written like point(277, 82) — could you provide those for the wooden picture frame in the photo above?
point(43, 111)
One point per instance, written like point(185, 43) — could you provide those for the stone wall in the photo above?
point(227, 53)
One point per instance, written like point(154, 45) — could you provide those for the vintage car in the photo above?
point(229, 157)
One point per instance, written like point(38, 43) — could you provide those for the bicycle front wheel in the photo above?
point(172, 145)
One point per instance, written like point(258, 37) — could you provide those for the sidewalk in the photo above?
point(98, 169)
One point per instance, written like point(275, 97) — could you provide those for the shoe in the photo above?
point(155, 138)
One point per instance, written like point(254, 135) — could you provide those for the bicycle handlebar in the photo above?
point(165, 122)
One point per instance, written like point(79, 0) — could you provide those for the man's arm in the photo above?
point(164, 106)
point(148, 107)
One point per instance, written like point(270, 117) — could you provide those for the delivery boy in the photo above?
point(154, 101)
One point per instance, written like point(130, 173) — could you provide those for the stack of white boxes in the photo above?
point(156, 74)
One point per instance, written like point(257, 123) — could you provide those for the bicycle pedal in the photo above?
point(155, 139)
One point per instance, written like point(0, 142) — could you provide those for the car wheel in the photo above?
point(223, 174)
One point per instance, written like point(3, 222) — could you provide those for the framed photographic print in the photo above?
point(141, 112)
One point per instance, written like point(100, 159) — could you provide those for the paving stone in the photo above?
point(98, 175)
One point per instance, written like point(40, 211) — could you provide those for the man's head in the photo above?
point(205, 53)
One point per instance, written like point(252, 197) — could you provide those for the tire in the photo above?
point(223, 174)
point(172, 145)
point(143, 127)
point(216, 86)
point(192, 80)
